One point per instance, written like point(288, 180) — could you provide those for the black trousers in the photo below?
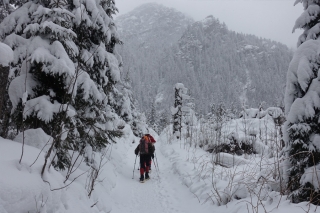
point(144, 163)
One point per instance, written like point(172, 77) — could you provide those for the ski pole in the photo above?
point(134, 166)
point(156, 160)
point(156, 170)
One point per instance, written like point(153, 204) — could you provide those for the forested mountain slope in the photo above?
point(152, 25)
point(148, 33)
point(162, 47)
point(232, 67)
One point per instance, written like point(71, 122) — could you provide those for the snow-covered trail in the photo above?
point(164, 195)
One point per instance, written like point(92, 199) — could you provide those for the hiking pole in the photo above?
point(157, 169)
point(134, 166)
point(156, 160)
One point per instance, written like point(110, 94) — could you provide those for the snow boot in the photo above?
point(141, 179)
point(147, 176)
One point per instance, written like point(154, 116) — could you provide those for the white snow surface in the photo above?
point(181, 184)
point(6, 55)
point(34, 137)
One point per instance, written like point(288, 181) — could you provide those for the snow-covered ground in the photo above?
point(163, 193)
point(239, 187)
point(187, 182)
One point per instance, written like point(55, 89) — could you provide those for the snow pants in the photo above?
point(145, 160)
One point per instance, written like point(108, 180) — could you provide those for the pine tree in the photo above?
point(5, 9)
point(152, 117)
point(98, 72)
point(180, 94)
point(129, 111)
point(309, 20)
point(65, 74)
point(302, 109)
point(163, 120)
point(41, 91)
point(218, 112)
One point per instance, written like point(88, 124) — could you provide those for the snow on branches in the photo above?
point(64, 73)
point(178, 109)
point(6, 55)
point(301, 130)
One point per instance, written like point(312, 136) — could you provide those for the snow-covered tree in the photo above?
point(5, 9)
point(302, 109)
point(180, 94)
point(301, 130)
point(163, 120)
point(6, 56)
point(309, 20)
point(128, 108)
point(153, 117)
point(64, 73)
point(189, 118)
point(218, 118)
point(139, 124)
point(98, 99)
point(39, 33)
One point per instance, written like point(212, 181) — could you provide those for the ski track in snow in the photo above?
point(164, 195)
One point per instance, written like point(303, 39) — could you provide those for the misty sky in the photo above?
point(273, 19)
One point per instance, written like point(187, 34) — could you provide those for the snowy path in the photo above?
point(164, 195)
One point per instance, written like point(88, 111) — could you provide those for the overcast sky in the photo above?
point(273, 19)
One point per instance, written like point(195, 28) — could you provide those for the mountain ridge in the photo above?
point(215, 63)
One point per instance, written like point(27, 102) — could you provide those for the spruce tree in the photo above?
point(152, 117)
point(97, 73)
point(309, 20)
point(64, 73)
point(5, 9)
point(163, 120)
point(302, 104)
point(41, 90)
point(180, 93)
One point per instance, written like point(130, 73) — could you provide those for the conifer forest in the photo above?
point(234, 117)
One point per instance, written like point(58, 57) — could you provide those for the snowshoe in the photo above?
point(141, 179)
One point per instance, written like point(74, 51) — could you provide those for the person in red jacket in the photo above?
point(146, 150)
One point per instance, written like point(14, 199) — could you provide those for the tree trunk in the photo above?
point(4, 99)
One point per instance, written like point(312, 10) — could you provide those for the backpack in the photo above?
point(151, 139)
point(144, 145)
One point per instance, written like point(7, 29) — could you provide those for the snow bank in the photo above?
point(23, 190)
point(228, 160)
point(248, 186)
point(35, 137)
